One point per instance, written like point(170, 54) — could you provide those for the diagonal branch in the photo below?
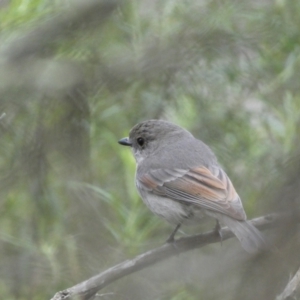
point(87, 289)
point(291, 289)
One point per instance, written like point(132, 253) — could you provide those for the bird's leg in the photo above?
point(218, 230)
point(171, 237)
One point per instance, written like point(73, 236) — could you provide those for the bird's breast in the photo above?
point(172, 211)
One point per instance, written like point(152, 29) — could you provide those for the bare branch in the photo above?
point(87, 289)
point(291, 288)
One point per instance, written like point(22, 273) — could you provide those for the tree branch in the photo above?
point(87, 289)
point(291, 288)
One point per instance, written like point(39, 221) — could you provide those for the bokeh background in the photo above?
point(75, 76)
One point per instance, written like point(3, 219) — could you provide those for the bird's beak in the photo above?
point(125, 142)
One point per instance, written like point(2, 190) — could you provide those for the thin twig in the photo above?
point(291, 288)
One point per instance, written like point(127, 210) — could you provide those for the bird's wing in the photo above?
point(209, 189)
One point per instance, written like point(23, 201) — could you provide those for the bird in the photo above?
point(180, 180)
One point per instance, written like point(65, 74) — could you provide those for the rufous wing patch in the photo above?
point(210, 189)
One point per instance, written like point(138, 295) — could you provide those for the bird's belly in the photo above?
point(172, 211)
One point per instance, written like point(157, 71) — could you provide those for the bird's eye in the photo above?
point(140, 141)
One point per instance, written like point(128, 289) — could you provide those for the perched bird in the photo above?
point(180, 180)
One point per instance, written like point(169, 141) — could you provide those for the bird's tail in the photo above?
point(250, 238)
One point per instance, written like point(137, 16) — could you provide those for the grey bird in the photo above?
point(180, 180)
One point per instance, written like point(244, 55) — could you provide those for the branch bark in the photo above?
point(87, 289)
point(291, 289)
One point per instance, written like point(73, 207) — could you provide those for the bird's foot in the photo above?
point(218, 231)
point(171, 238)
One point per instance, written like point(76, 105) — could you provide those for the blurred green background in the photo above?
point(75, 76)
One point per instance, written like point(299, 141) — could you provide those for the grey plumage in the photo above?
point(180, 180)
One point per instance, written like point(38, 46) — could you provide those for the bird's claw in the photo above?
point(218, 231)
